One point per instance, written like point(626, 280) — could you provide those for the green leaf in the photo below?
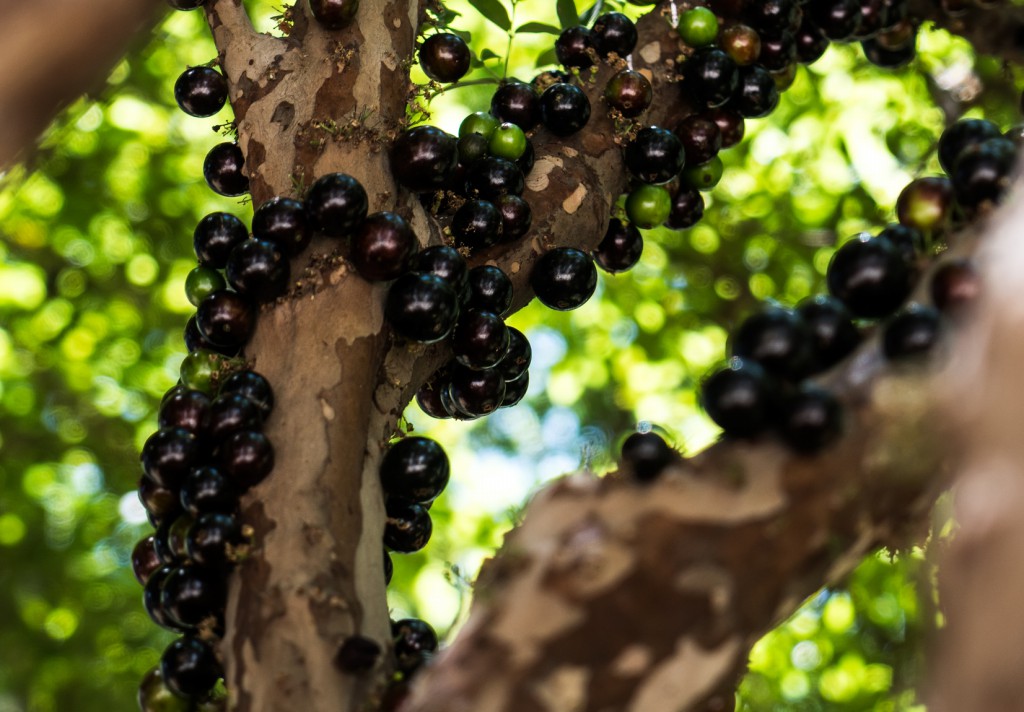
point(488, 54)
point(589, 15)
point(493, 11)
point(547, 58)
point(539, 27)
point(567, 13)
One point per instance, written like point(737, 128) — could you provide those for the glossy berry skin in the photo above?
point(445, 57)
point(480, 339)
point(479, 122)
point(168, 455)
point(232, 413)
point(711, 76)
point(507, 141)
point(738, 398)
point(472, 148)
point(154, 695)
point(145, 560)
point(492, 177)
point(756, 94)
point(414, 469)
point(444, 262)
point(429, 399)
point(408, 526)
point(222, 169)
point(414, 641)
point(258, 270)
point(169, 539)
point(648, 206)
point(773, 15)
point(655, 156)
point(517, 357)
point(614, 32)
point(629, 93)
point(564, 278)
point(215, 236)
point(187, 410)
point(730, 124)
point(869, 276)
point(246, 459)
point(516, 217)
point(186, 4)
point(926, 204)
point(564, 109)
point(383, 246)
point(337, 204)
point(489, 289)
point(646, 455)
point(161, 503)
point(620, 249)
point(424, 158)
point(573, 47)
point(811, 43)
point(206, 489)
point(477, 224)
point(529, 157)
point(151, 595)
point(703, 176)
point(515, 391)
point(911, 333)
point(982, 173)
point(955, 286)
point(214, 539)
point(421, 307)
point(778, 340)
point(201, 282)
point(962, 135)
point(226, 318)
point(518, 103)
point(476, 393)
point(909, 241)
point(189, 667)
point(839, 20)
point(283, 221)
point(778, 52)
point(192, 594)
point(333, 14)
point(253, 386)
point(687, 209)
point(811, 419)
point(201, 91)
point(832, 330)
point(698, 27)
point(199, 368)
point(701, 138)
point(887, 57)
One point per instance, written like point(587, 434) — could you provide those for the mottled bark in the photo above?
point(54, 51)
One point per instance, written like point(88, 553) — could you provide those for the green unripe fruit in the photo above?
point(479, 122)
point(199, 370)
point(508, 141)
point(202, 282)
point(648, 206)
point(705, 176)
point(698, 27)
point(154, 695)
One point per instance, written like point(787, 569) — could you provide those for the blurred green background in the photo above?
point(96, 242)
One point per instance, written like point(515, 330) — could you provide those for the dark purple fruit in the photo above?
point(258, 270)
point(480, 339)
point(207, 490)
point(839, 20)
point(516, 217)
point(564, 278)
point(383, 246)
point(983, 173)
point(777, 339)
point(620, 249)
point(730, 123)
point(185, 4)
point(192, 594)
point(564, 109)
point(414, 469)
point(517, 357)
point(629, 92)
point(655, 156)
point(832, 330)
point(231, 413)
point(428, 397)
point(358, 654)
point(169, 539)
point(491, 177)
point(911, 333)
point(490, 290)
point(701, 138)
point(145, 560)
point(424, 158)
point(778, 52)
point(168, 455)
point(389, 568)
point(515, 391)
point(962, 135)
point(444, 262)
point(333, 14)
point(574, 46)
point(614, 32)
point(421, 307)
point(517, 103)
point(472, 147)
point(773, 15)
point(407, 527)
point(711, 76)
point(215, 236)
point(246, 459)
point(738, 398)
point(811, 419)
point(201, 91)
point(414, 642)
point(756, 94)
point(477, 225)
point(445, 57)
point(811, 43)
point(869, 276)
point(223, 170)
point(284, 222)
point(214, 540)
point(190, 667)
point(151, 600)
point(955, 286)
point(185, 409)
point(476, 393)
point(161, 503)
point(909, 241)
point(887, 57)
point(226, 318)
point(646, 455)
point(336, 204)
point(926, 204)
point(687, 209)
point(253, 386)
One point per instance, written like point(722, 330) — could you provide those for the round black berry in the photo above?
point(911, 333)
point(201, 91)
point(517, 103)
point(185, 409)
point(869, 276)
point(424, 158)
point(738, 398)
point(246, 459)
point(231, 413)
point(161, 503)
point(832, 330)
point(490, 290)
point(564, 278)
point(190, 667)
point(414, 641)
point(811, 42)
point(516, 217)
point(407, 527)
point(620, 249)
point(445, 57)
point(215, 236)
point(334, 14)
point(258, 270)
point(476, 393)
point(655, 156)
point(515, 391)
point(480, 339)
point(283, 221)
point(687, 209)
point(646, 455)
point(839, 20)
point(811, 419)
point(226, 318)
point(253, 386)
point(192, 594)
point(982, 173)
point(477, 224)
point(206, 489)
point(756, 94)
point(421, 307)
point(223, 170)
point(955, 286)
point(573, 47)
point(776, 338)
point(614, 32)
point(564, 108)
point(629, 92)
point(444, 262)
point(145, 560)
point(962, 135)
point(151, 595)
point(414, 469)
point(383, 246)
point(491, 177)
point(214, 540)
point(701, 139)
point(711, 76)
point(168, 455)
point(336, 204)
